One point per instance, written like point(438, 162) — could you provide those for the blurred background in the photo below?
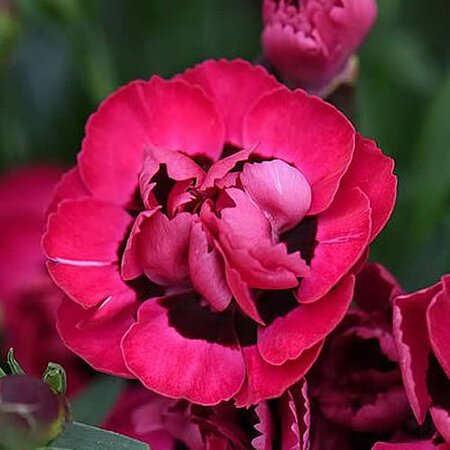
point(60, 58)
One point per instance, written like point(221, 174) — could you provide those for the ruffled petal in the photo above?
point(86, 232)
point(207, 271)
point(70, 186)
point(438, 327)
point(145, 114)
point(205, 364)
point(306, 132)
point(287, 337)
point(372, 172)
point(267, 381)
point(95, 334)
point(234, 86)
point(413, 344)
point(264, 427)
point(343, 233)
point(280, 190)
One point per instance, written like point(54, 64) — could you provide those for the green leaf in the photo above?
point(15, 367)
point(2, 373)
point(94, 403)
point(78, 436)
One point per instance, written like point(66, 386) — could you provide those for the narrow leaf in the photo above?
point(15, 367)
point(78, 436)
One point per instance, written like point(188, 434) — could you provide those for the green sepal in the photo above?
point(55, 377)
point(14, 366)
point(2, 375)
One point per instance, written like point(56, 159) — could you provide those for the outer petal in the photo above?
point(198, 369)
point(372, 172)
point(411, 337)
point(441, 420)
point(304, 131)
point(97, 339)
point(87, 285)
point(70, 186)
point(267, 381)
point(234, 86)
point(166, 114)
point(438, 326)
point(343, 233)
point(85, 232)
point(280, 190)
point(286, 338)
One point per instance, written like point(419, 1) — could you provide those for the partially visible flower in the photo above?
point(28, 298)
point(31, 414)
point(309, 42)
point(357, 380)
point(168, 424)
point(422, 333)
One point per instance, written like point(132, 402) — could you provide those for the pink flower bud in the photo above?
point(309, 42)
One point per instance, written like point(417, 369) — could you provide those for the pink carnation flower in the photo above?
point(310, 41)
point(168, 424)
point(28, 297)
point(422, 334)
point(208, 237)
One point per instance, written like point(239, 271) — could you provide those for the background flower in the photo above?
point(309, 42)
point(357, 380)
point(28, 297)
point(167, 424)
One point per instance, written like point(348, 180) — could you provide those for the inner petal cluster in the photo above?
point(217, 231)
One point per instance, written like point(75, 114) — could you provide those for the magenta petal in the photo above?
point(343, 233)
point(145, 114)
point(441, 420)
point(207, 270)
point(163, 247)
point(280, 190)
point(242, 294)
point(87, 285)
point(221, 168)
point(179, 167)
point(85, 232)
point(286, 338)
point(375, 288)
point(264, 427)
point(245, 237)
point(267, 381)
point(306, 132)
point(70, 186)
point(372, 172)
point(198, 370)
point(234, 86)
point(411, 337)
point(290, 433)
point(97, 341)
point(438, 325)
